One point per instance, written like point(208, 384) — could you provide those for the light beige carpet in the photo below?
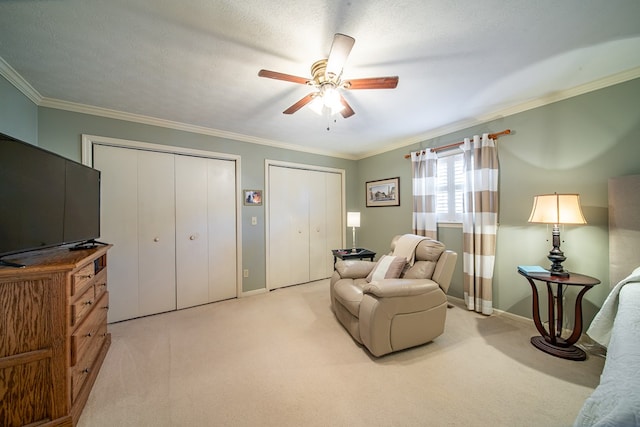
point(282, 359)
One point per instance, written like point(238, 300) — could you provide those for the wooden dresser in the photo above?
point(53, 334)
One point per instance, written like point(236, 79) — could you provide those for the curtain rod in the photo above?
point(456, 144)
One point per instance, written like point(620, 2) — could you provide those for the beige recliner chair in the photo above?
point(398, 302)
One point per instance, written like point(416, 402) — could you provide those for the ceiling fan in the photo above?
point(327, 81)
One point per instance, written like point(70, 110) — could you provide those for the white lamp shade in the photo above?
point(557, 209)
point(353, 219)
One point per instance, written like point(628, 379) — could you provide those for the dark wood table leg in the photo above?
point(551, 341)
point(536, 309)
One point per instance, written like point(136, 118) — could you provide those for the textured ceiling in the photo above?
point(194, 63)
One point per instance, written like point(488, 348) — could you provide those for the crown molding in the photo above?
point(139, 118)
point(21, 84)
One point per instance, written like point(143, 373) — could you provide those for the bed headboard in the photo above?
point(624, 226)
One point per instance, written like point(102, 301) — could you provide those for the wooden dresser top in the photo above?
point(52, 259)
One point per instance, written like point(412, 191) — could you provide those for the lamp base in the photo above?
point(556, 256)
point(354, 250)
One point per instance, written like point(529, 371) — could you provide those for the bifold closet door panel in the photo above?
point(325, 218)
point(334, 223)
point(156, 233)
point(288, 227)
point(317, 189)
point(192, 246)
point(119, 226)
point(221, 212)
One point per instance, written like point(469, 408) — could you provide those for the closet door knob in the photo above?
point(192, 237)
point(157, 239)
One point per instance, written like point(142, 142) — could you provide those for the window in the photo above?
point(449, 189)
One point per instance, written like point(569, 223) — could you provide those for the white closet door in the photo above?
point(325, 218)
point(298, 249)
point(317, 225)
point(192, 261)
point(172, 220)
point(119, 226)
point(156, 233)
point(335, 225)
point(288, 227)
point(222, 229)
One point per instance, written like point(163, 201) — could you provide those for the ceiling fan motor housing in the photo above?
point(320, 77)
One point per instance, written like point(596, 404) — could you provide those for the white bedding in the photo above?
point(602, 324)
point(616, 401)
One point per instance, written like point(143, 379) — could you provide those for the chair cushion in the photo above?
point(429, 250)
point(387, 267)
point(420, 270)
point(428, 253)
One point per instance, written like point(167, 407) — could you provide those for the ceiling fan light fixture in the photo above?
point(331, 99)
point(327, 101)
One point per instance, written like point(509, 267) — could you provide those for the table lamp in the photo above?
point(353, 221)
point(557, 209)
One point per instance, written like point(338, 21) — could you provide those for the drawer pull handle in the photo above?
point(85, 276)
point(106, 307)
point(86, 370)
point(89, 302)
point(89, 335)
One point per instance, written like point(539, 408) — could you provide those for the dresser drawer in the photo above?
point(100, 283)
point(87, 361)
point(91, 329)
point(81, 278)
point(82, 305)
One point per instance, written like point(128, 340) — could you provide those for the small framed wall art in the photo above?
point(384, 192)
point(252, 197)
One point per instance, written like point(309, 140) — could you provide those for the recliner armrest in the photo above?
point(399, 287)
point(354, 269)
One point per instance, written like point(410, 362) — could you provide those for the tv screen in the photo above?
point(45, 199)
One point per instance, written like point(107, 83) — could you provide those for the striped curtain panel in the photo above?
point(480, 221)
point(423, 168)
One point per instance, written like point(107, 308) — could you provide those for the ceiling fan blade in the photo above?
point(298, 105)
point(338, 54)
point(372, 83)
point(348, 111)
point(282, 76)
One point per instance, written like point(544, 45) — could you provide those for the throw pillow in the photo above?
point(387, 267)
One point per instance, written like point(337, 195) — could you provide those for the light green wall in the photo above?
point(569, 146)
point(18, 115)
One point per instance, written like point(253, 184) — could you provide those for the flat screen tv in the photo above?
point(46, 200)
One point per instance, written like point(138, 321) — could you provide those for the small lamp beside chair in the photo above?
point(353, 221)
point(557, 209)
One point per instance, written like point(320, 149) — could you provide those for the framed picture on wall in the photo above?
point(252, 197)
point(384, 192)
